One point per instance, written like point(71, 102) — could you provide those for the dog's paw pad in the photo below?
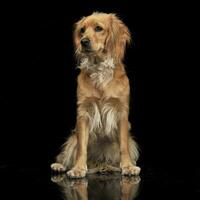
point(76, 173)
point(57, 167)
point(130, 170)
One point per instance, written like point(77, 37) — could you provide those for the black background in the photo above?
point(38, 89)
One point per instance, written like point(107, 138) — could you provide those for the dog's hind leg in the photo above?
point(65, 160)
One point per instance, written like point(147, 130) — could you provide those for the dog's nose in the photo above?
point(85, 42)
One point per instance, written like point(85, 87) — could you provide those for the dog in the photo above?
point(101, 140)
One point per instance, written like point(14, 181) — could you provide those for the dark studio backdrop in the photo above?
point(38, 89)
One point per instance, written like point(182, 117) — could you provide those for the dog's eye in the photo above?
point(98, 28)
point(82, 30)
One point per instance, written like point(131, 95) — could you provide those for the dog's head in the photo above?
point(101, 34)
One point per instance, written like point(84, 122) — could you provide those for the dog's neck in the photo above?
point(95, 64)
point(99, 71)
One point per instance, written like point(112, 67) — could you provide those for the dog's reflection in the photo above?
point(98, 187)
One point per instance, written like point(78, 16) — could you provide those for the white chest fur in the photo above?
point(101, 74)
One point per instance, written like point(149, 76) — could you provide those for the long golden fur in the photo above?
point(101, 139)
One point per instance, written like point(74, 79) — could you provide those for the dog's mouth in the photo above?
point(87, 51)
point(90, 50)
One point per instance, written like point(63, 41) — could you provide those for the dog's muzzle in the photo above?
point(85, 43)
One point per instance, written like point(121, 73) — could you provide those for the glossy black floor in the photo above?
point(37, 183)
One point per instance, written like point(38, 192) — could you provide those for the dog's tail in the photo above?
point(68, 154)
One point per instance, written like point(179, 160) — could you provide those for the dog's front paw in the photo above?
point(57, 167)
point(77, 172)
point(130, 170)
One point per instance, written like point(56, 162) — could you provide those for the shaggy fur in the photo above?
point(101, 139)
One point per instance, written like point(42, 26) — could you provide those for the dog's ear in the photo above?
point(76, 32)
point(118, 37)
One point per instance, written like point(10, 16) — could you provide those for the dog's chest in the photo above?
point(100, 74)
point(103, 116)
point(101, 77)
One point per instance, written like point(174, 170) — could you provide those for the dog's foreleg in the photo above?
point(80, 168)
point(126, 165)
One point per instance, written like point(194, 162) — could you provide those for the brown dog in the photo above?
point(101, 140)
